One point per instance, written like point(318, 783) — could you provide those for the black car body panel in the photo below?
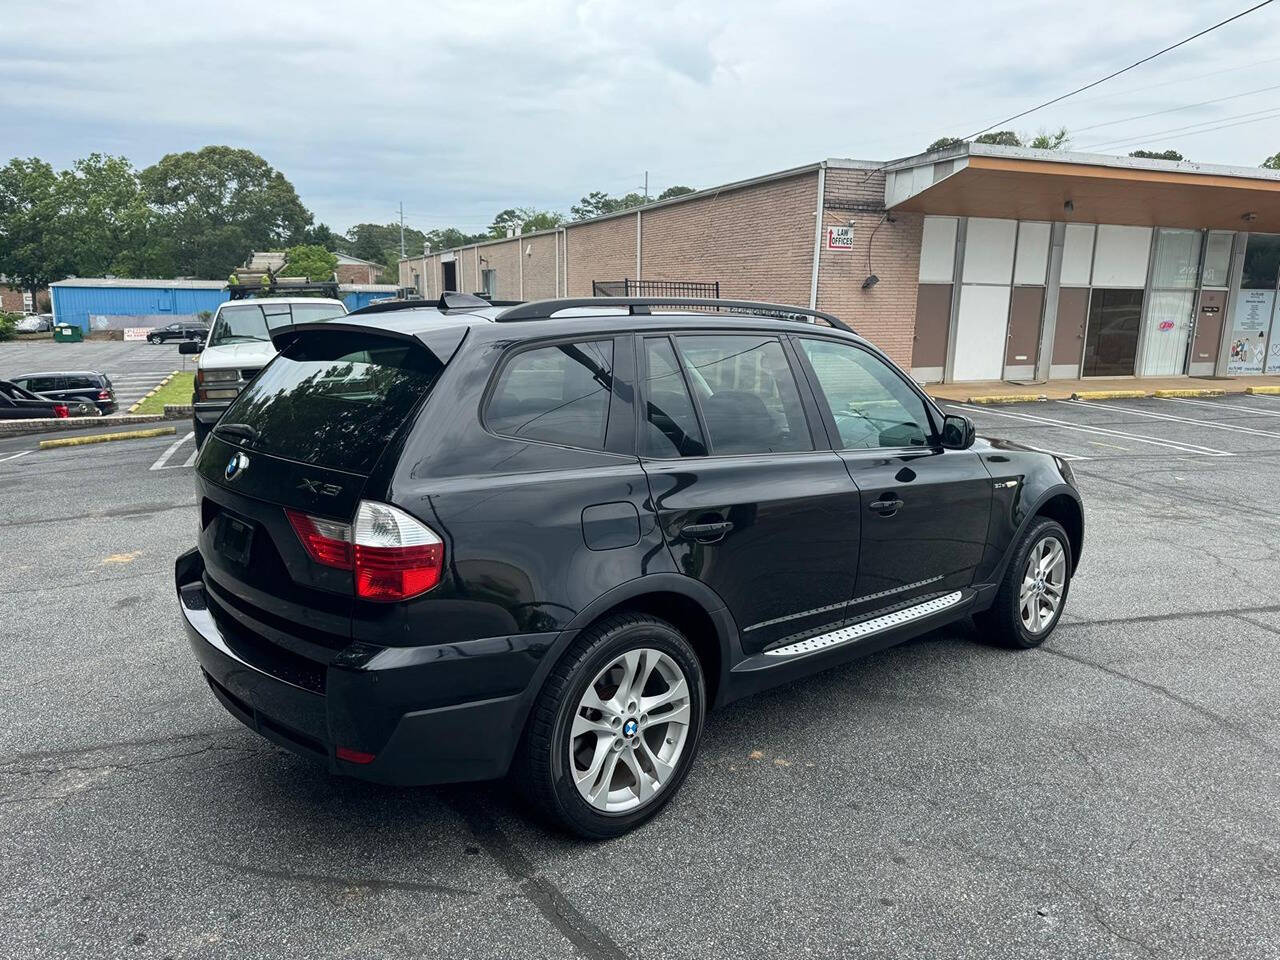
point(18, 403)
point(541, 538)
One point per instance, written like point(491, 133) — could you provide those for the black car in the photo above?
point(19, 404)
point(88, 390)
point(452, 543)
point(184, 330)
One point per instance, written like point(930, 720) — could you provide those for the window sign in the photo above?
point(1251, 318)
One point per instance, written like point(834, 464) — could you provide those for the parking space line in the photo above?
point(169, 452)
point(1169, 418)
point(15, 456)
point(1193, 448)
point(1243, 408)
point(191, 460)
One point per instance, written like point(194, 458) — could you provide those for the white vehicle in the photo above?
point(239, 345)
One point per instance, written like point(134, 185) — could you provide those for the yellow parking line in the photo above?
point(108, 437)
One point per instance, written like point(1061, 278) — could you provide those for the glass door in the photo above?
point(1174, 277)
point(1111, 336)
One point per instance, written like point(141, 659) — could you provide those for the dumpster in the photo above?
point(66, 333)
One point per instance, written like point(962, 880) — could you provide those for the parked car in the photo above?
point(19, 404)
point(87, 390)
point(183, 330)
point(35, 323)
point(451, 544)
point(239, 345)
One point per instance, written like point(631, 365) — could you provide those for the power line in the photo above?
point(1137, 63)
point(1169, 83)
point(1209, 125)
point(1188, 106)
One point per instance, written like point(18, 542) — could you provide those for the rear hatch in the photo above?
point(305, 436)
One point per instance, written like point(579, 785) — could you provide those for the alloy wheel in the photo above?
point(1044, 582)
point(629, 730)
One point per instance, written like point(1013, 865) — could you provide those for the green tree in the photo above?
point(32, 252)
point(377, 241)
point(1157, 155)
point(942, 143)
point(321, 236)
point(1000, 138)
point(1272, 162)
point(598, 203)
point(311, 261)
point(524, 220)
point(106, 225)
point(218, 204)
point(676, 191)
point(1046, 140)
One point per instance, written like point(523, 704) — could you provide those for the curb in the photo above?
point(1190, 392)
point(1110, 395)
point(152, 392)
point(108, 437)
point(18, 428)
point(173, 411)
point(1263, 391)
point(997, 399)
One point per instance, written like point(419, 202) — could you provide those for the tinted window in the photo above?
point(871, 404)
point(335, 399)
point(559, 394)
point(255, 321)
point(672, 426)
point(747, 393)
point(79, 383)
point(40, 384)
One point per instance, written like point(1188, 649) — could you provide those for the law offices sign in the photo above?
point(840, 238)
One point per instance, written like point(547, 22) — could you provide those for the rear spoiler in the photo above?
point(442, 341)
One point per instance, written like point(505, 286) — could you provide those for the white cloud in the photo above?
point(461, 109)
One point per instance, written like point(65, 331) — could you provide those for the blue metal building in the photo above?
point(94, 303)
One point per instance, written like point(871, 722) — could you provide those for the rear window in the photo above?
point(557, 394)
point(255, 321)
point(335, 399)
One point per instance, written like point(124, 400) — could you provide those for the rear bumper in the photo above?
point(380, 701)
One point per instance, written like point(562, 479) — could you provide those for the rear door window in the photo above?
point(557, 394)
point(747, 393)
point(671, 425)
point(335, 399)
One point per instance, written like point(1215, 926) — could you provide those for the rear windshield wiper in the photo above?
point(241, 430)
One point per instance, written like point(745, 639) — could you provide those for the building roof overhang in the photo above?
point(1038, 185)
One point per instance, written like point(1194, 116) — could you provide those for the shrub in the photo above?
point(7, 323)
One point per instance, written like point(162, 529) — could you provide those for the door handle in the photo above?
point(706, 532)
point(886, 508)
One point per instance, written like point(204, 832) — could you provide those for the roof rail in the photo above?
point(639, 306)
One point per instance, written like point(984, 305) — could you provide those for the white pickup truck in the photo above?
point(239, 345)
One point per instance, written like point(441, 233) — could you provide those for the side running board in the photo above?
point(866, 628)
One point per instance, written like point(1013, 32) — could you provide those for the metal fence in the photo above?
point(655, 288)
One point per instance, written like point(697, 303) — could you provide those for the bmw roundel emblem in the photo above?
point(630, 727)
point(237, 465)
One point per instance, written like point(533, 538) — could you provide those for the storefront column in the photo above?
point(962, 229)
point(1049, 325)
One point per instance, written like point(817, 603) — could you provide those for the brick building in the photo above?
point(17, 300)
point(970, 263)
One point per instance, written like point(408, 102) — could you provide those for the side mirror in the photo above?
point(190, 346)
point(957, 432)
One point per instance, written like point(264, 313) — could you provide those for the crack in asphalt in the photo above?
point(121, 512)
point(1162, 617)
point(330, 880)
point(1225, 723)
point(555, 907)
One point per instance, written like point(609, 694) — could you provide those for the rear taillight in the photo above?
point(326, 541)
point(394, 556)
point(61, 410)
point(104, 395)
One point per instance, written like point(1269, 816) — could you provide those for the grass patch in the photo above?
point(177, 390)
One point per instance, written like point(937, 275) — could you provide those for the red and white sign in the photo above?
point(136, 333)
point(840, 238)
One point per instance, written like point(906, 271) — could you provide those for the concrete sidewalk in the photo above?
point(999, 391)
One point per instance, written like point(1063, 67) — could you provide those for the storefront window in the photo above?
point(1261, 260)
point(1217, 258)
point(1177, 259)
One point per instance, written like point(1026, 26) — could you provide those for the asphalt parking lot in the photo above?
point(134, 367)
point(1113, 794)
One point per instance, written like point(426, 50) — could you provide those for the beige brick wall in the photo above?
point(756, 241)
point(600, 251)
point(886, 313)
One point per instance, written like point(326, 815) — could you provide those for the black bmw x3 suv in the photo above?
point(457, 542)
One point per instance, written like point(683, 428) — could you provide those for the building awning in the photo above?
point(1132, 194)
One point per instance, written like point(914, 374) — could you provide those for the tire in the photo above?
point(1004, 623)
point(545, 771)
point(201, 431)
point(154, 340)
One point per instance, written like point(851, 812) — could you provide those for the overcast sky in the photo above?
point(462, 108)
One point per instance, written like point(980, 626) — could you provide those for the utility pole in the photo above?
point(401, 229)
point(646, 186)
